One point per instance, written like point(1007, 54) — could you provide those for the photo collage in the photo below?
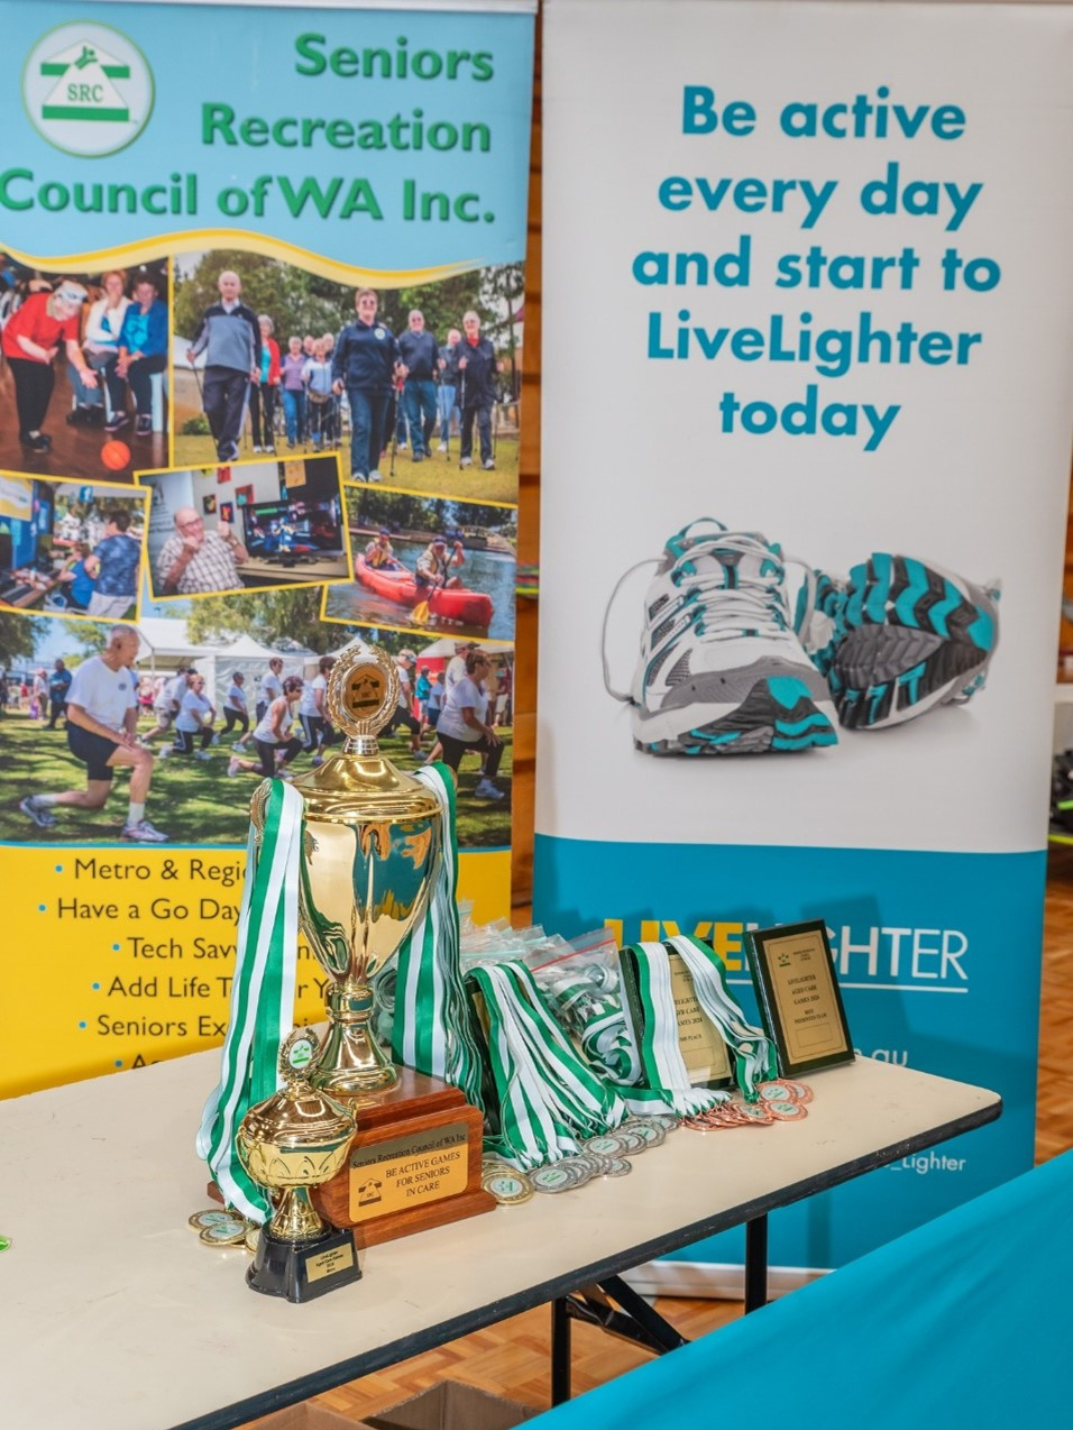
point(216, 471)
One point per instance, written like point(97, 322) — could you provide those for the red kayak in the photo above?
point(469, 608)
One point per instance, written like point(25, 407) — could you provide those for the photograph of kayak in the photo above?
point(428, 564)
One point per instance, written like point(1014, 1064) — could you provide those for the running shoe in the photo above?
point(41, 815)
point(899, 637)
point(722, 671)
point(487, 790)
point(233, 766)
point(143, 833)
point(203, 755)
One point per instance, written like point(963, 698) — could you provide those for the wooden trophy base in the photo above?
point(414, 1163)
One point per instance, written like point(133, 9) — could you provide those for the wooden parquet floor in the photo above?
point(511, 1359)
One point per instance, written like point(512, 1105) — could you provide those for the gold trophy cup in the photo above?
point(291, 1142)
point(371, 841)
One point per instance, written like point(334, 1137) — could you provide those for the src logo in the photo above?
point(87, 89)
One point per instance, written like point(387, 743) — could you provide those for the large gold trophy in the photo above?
point(370, 845)
point(372, 841)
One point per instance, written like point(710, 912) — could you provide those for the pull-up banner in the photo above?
point(261, 345)
point(807, 355)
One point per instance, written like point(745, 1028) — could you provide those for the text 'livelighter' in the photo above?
point(85, 89)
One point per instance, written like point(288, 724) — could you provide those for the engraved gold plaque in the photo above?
point(329, 1263)
point(703, 1050)
point(799, 997)
point(405, 1172)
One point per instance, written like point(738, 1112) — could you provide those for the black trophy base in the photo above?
point(304, 1270)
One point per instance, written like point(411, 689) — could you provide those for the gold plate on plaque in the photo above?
point(404, 1172)
point(329, 1263)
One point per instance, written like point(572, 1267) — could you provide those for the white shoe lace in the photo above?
point(715, 612)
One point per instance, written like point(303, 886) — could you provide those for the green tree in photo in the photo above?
point(18, 637)
point(267, 616)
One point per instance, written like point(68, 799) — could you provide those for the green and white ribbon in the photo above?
point(666, 1078)
point(547, 1094)
point(262, 997)
point(754, 1054)
point(433, 1030)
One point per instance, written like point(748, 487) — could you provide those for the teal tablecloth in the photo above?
point(965, 1322)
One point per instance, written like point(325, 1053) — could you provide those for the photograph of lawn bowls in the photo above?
point(216, 710)
point(247, 527)
point(425, 564)
point(419, 387)
point(70, 548)
point(83, 370)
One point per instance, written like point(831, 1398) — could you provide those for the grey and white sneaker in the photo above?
point(203, 755)
point(375, 476)
point(143, 833)
point(721, 670)
point(466, 462)
point(41, 815)
point(487, 790)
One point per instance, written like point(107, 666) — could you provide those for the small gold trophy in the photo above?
point(371, 844)
point(291, 1142)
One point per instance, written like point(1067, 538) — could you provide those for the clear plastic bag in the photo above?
point(582, 982)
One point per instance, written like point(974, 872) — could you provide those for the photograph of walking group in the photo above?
point(83, 371)
point(216, 471)
point(416, 387)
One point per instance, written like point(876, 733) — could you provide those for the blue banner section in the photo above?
point(383, 140)
point(937, 956)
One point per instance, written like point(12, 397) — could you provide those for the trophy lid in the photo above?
point(299, 1115)
point(361, 784)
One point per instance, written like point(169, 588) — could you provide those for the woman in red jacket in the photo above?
point(264, 394)
point(31, 341)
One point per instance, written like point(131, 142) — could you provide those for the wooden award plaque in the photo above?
point(414, 1163)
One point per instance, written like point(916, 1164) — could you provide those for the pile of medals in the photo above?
point(225, 1228)
point(605, 1155)
point(781, 1101)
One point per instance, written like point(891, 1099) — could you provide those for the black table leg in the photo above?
point(560, 1351)
point(755, 1264)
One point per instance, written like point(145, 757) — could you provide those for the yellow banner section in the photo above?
point(143, 250)
point(120, 958)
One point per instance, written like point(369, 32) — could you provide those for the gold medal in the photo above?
point(510, 1188)
point(253, 1236)
point(200, 1220)
point(225, 1233)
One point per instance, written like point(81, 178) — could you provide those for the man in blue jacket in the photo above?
point(230, 337)
point(364, 362)
point(477, 368)
point(420, 355)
